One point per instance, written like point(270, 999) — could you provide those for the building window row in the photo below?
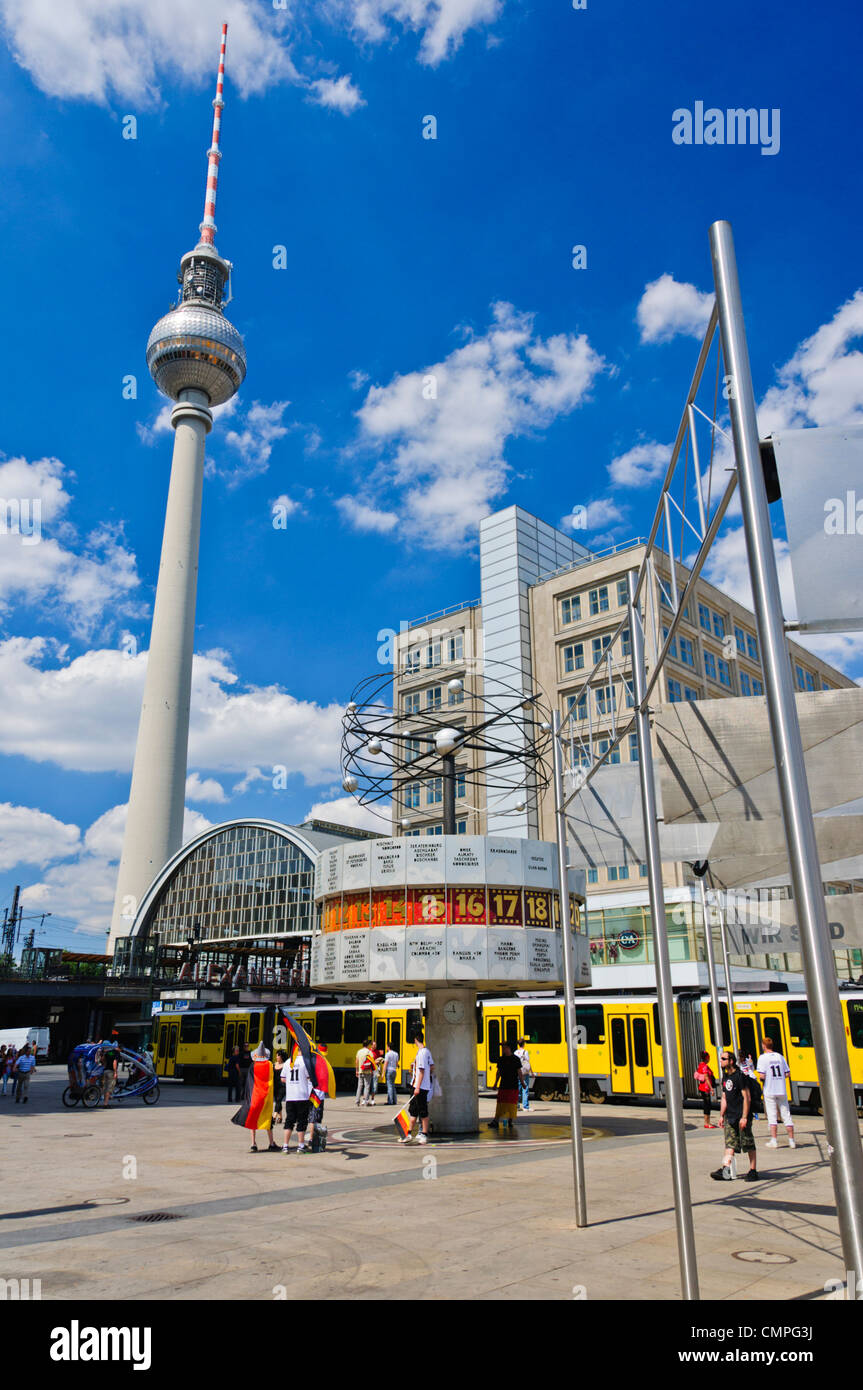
point(437, 652)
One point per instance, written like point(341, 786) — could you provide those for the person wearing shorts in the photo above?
point(735, 1114)
point(773, 1071)
point(421, 1084)
point(298, 1089)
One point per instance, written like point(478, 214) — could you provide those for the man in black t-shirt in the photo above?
point(735, 1112)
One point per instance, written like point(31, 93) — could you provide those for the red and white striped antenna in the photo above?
point(214, 154)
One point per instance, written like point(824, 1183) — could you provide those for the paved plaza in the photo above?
point(485, 1220)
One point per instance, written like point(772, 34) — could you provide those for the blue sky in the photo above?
point(406, 257)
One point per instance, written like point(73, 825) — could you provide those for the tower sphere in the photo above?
point(195, 346)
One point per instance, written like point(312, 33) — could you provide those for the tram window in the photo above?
point(855, 1021)
point(723, 1018)
point(589, 1022)
point(542, 1023)
point(618, 1042)
point(800, 1024)
point(639, 1042)
point(172, 1041)
point(358, 1025)
point(381, 1034)
point(415, 1020)
point(746, 1034)
point(190, 1028)
point(493, 1040)
point(163, 1038)
point(657, 1031)
point(478, 1025)
point(212, 1027)
point(512, 1033)
point(255, 1028)
point(329, 1026)
point(772, 1029)
point(396, 1035)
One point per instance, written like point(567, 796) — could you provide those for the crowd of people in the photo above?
point(17, 1066)
point(746, 1089)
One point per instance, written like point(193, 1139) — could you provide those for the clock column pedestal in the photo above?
point(451, 1036)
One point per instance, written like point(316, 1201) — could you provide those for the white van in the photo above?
point(39, 1038)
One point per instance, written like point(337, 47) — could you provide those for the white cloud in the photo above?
point(822, 384)
point(345, 810)
point(638, 467)
point(365, 518)
point(83, 716)
point(440, 433)
point(261, 427)
point(83, 889)
point(358, 380)
point(727, 567)
point(101, 50)
point(204, 789)
point(668, 308)
point(38, 564)
point(442, 23)
point(253, 775)
point(602, 511)
point(339, 94)
point(28, 836)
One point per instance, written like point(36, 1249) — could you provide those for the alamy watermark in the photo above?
point(21, 516)
point(735, 126)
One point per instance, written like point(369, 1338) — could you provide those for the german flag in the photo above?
point(256, 1111)
point(404, 1121)
point(317, 1063)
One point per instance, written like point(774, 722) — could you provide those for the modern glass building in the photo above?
point(245, 886)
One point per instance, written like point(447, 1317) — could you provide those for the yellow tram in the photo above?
point(618, 1038)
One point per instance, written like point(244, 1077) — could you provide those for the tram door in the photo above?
point(502, 1027)
point(629, 1054)
point(236, 1035)
point(170, 1032)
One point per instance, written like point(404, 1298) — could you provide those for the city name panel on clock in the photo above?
point(479, 909)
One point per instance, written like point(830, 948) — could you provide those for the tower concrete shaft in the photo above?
point(154, 825)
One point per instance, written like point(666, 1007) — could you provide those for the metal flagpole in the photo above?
point(726, 965)
point(568, 984)
point(828, 1033)
point(671, 1061)
point(711, 968)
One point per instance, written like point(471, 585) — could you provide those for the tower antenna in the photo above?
point(214, 154)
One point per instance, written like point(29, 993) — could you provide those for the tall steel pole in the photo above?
point(568, 984)
point(711, 968)
point(726, 966)
point(670, 1058)
point(828, 1033)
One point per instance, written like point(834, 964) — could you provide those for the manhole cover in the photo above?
point(763, 1257)
point(149, 1216)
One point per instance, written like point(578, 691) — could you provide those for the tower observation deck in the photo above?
point(198, 359)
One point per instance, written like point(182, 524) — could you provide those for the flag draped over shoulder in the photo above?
point(317, 1064)
point(256, 1111)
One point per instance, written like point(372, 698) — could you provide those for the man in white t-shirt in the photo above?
point(421, 1085)
point(298, 1088)
point(773, 1070)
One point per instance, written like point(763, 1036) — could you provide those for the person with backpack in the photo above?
point(706, 1083)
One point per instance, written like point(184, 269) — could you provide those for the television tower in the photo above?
point(196, 357)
